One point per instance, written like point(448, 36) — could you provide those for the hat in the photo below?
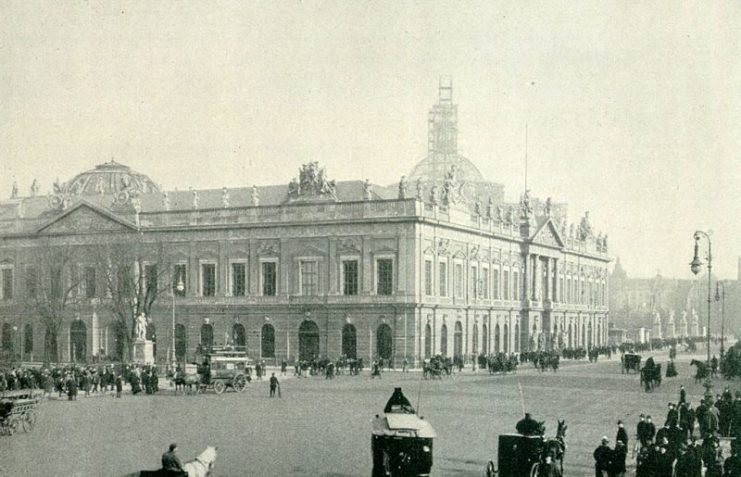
point(605, 440)
point(648, 416)
point(173, 446)
point(642, 415)
point(620, 443)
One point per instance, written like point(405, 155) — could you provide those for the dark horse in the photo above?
point(702, 370)
point(556, 448)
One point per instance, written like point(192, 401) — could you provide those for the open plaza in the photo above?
point(322, 428)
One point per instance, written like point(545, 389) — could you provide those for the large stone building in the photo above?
point(674, 308)
point(437, 263)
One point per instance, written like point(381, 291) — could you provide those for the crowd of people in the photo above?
point(674, 449)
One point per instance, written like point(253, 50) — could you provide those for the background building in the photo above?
point(438, 263)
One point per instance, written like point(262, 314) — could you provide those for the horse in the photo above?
point(556, 447)
point(182, 380)
point(199, 467)
point(702, 370)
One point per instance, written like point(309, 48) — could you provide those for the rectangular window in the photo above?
point(208, 279)
point(385, 276)
point(55, 282)
point(151, 281)
point(474, 282)
point(90, 282)
point(179, 277)
point(350, 277)
point(239, 279)
point(485, 282)
point(428, 277)
point(269, 278)
point(516, 284)
point(458, 277)
point(7, 279)
point(443, 278)
point(496, 284)
point(32, 282)
point(308, 278)
point(505, 284)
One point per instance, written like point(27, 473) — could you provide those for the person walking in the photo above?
point(617, 460)
point(682, 395)
point(119, 385)
point(622, 434)
point(274, 385)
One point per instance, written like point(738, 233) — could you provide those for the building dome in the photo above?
point(110, 178)
point(434, 167)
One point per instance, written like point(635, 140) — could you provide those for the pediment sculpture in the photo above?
point(312, 183)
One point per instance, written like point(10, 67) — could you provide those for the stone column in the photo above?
point(546, 282)
point(555, 280)
point(526, 278)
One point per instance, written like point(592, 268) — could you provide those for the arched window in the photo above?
point(517, 338)
point(506, 338)
point(8, 338)
point(239, 336)
point(485, 339)
point(349, 341)
point(181, 342)
point(384, 341)
point(308, 341)
point(458, 339)
point(50, 347)
point(28, 339)
point(207, 336)
point(267, 341)
point(428, 341)
point(444, 340)
point(497, 345)
point(78, 341)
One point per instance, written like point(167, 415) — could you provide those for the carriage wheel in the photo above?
point(239, 383)
point(219, 387)
point(534, 470)
point(28, 421)
point(490, 471)
point(12, 425)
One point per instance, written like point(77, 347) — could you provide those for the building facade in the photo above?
point(436, 264)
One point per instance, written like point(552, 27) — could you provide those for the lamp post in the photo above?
point(179, 289)
point(696, 266)
point(720, 294)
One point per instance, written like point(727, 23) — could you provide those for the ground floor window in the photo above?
point(308, 341)
point(268, 341)
point(349, 341)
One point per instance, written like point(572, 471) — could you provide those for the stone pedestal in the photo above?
point(143, 352)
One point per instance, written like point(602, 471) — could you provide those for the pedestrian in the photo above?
point(602, 456)
point(617, 460)
point(682, 395)
point(404, 366)
point(274, 385)
point(622, 434)
point(283, 367)
point(119, 385)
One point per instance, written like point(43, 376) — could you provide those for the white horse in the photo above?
point(200, 467)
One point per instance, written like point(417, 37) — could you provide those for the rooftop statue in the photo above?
point(548, 208)
point(433, 194)
point(585, 227)
point(196, 199)
point(420, 189)
point(14, 191)
point(165, 201)
point(225, 197)
point(35, 187)
point(477, 207)
point(403, 186)
point(367, 190)
point(312, 182)
point(490, 209)
point(255, 196)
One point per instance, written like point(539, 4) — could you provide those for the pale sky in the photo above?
point(633, 109)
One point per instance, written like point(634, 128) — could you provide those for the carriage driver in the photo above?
point(171, 462)
point(398, 403)
point(528, 426)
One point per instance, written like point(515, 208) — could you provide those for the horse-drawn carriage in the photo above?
point(401, 441)
point(630, 362)
point(18, 410)
point(521, 455)
point(221, 368)
point(436, 367)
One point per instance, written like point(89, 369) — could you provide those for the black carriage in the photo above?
point(401, 441)
point(630, 362)
point(18, 411)
point(225, 368)
point(517, 456)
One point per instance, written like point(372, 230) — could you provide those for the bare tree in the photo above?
point(136, 273)
point(52, 288)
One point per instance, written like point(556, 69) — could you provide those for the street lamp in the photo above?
point(179, 288)
point(17, 338)
point(696, 266)
point(720, 294)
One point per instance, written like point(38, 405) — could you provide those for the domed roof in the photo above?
point(434, 167)
point(110, 178)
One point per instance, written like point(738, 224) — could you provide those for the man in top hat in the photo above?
point(682, 395)
point(528, 426)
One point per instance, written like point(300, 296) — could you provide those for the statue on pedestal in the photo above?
point(141, 327)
